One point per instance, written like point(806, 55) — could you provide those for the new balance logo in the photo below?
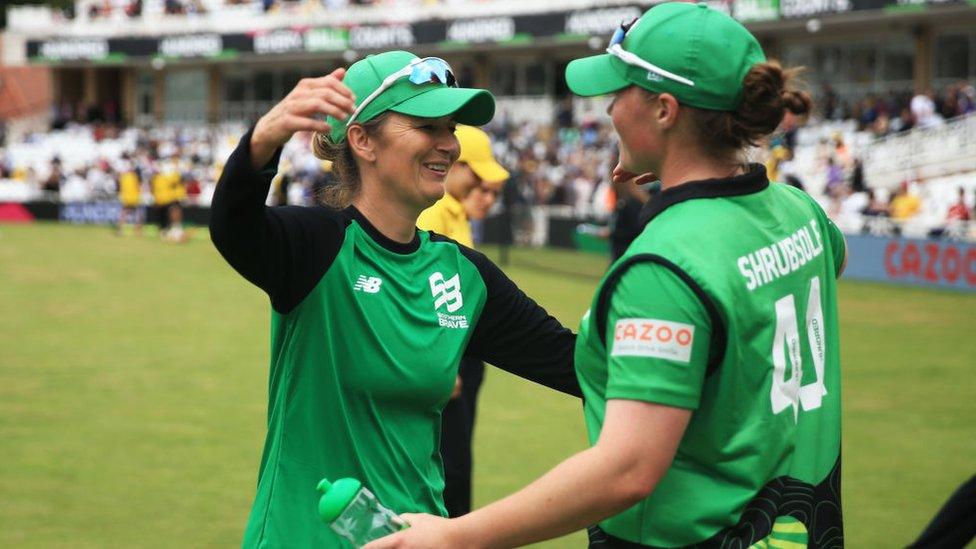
point(446, 292)
point(368, 284)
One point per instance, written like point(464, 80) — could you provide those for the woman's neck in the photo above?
point(687, 164)
point(394, 221)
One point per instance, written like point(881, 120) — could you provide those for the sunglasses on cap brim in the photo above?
point(420, 71)
point(617, 50)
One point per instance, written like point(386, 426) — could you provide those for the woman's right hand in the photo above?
point(303, 109)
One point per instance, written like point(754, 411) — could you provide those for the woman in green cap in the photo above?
point(369, 315)
point(709, 357)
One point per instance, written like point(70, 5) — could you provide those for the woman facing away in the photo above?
point(709, 358)
point(370, 316)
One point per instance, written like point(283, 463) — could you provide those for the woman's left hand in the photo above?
point(425, 532)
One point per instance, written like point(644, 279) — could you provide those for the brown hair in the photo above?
point(347, 183)
point(767, 93)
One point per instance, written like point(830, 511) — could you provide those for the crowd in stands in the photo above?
point(894, 112)
point(836, 175)
point(120, 9)
point(559, 165)
point(553, 166)
point(564, 165)
point(918, 207)
point(83, 163)
point(104, 117)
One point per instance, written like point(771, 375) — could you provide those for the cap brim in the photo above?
point(469, 106)
point(594, 75)
point(489, 170)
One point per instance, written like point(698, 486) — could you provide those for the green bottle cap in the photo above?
point(336, 496)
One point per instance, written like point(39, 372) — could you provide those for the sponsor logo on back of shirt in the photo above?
point(368, 284)
point(651, 337)
point(447, 294)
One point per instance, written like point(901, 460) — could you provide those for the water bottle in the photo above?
point(353, 512)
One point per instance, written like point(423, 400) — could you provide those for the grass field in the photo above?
point(133, 389)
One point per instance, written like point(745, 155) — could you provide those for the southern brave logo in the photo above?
point(368, 284)
point(447, 293)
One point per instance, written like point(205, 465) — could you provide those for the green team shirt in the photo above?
point(725, 305)
point(366, 336)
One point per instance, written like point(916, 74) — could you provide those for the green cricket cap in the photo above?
point(693, 41)
point(474, 107)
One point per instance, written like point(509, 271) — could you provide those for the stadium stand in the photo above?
point(560, 169)
point(169, 85)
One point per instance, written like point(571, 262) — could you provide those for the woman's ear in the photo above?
point(362, 145)
point(667, 111)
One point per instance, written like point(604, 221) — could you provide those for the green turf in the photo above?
point(133, 389)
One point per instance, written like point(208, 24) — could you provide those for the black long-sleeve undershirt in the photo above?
point(287, 250)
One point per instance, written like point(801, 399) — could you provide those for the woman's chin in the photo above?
point(433, 191)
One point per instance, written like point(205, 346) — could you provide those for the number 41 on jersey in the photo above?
point(787, 391)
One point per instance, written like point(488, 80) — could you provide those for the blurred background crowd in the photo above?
point(156, 93)
point(563, 165)
point(131, 9)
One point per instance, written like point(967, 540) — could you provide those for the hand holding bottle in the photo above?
point(353, 512)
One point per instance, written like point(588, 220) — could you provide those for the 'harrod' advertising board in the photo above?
point(599, 22)
point(74, 49)
point(475, 31)
point(500, 30)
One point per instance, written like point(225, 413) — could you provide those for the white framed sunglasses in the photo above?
point(616, 49)
point(420, 71)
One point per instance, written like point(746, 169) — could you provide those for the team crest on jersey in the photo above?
point(447, 294)
point(654, 338)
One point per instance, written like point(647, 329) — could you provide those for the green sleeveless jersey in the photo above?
point(726, 305)
point(366, 336)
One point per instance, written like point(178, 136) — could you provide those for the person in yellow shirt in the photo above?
point(130, 191)
point(168, 193)
point(161, 189)
point(775, 159)
point(471, 186)
point(904, 205)
point(475, 165)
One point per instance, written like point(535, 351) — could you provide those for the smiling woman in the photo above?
point(370, 315)
point(417, 153)
point(408, 110)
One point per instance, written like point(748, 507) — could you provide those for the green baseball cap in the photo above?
point(430, 99)
point(697, 54)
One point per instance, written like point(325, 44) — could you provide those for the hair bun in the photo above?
point(797, 102)
point(767, 93)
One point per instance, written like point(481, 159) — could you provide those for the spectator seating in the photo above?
point(554, 168)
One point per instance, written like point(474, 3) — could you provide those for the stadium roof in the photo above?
point(238, 31)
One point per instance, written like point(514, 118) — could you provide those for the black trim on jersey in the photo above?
point(380, 238)
point(285, 251)
point(753, 181)
point(516, 334)
point(818, 507)
point(716, 351)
